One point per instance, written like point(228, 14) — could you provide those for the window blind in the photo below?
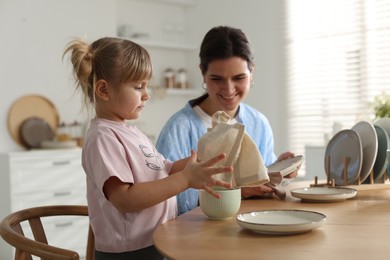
point(338, 61)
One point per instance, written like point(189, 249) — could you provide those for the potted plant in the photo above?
point(381, 105)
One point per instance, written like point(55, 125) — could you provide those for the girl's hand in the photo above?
point(200, 174)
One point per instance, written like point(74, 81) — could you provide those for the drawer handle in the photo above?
point(61, 163)
point(62, 225)
point(62, 193)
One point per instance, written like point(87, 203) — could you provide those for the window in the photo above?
point(338, 61)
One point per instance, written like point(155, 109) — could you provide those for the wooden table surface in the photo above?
point(357, 228)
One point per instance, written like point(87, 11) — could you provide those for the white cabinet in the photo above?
point(45, 177)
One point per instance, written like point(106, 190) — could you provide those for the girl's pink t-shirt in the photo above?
point(121, 150)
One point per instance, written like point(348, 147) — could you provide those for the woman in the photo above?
point(226, 64)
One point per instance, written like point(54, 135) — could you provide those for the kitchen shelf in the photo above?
point(163, 44)
point(183, 92)
point(161, 92)
point(176, 2)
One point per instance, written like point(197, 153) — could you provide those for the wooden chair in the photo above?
point(11, 231)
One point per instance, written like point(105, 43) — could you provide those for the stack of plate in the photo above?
point(359, 150)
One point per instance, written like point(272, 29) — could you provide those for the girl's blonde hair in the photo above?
point(114, 60)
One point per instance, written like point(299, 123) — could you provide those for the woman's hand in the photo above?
point(284, 156)
point(200, 174)
point(256, 191)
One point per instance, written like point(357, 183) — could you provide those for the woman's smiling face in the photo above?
point(228, 83)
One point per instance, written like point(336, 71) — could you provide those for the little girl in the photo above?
point(131, 187)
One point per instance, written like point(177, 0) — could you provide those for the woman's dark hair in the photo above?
point(224, 42)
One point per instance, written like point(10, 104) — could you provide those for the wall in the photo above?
point(33, 35)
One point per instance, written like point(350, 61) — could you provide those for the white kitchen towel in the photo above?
point(241, 152)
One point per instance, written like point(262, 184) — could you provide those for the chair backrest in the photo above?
point(12, 232)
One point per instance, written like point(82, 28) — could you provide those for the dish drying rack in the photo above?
point(372, 185)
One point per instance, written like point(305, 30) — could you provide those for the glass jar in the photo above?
point(169, 78)
point(182, 81)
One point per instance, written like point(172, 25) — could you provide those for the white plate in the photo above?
point(384, 123)
point(344, 144)
point(34, 130)
point(281, 222)
point(323, 194)
point(369, 141)
point(287, 166)
point(381, 160)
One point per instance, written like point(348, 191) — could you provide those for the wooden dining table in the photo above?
point(356, 228)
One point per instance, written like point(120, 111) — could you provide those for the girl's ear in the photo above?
point(101, 90)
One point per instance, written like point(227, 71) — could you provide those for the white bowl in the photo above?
point(223, 208)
